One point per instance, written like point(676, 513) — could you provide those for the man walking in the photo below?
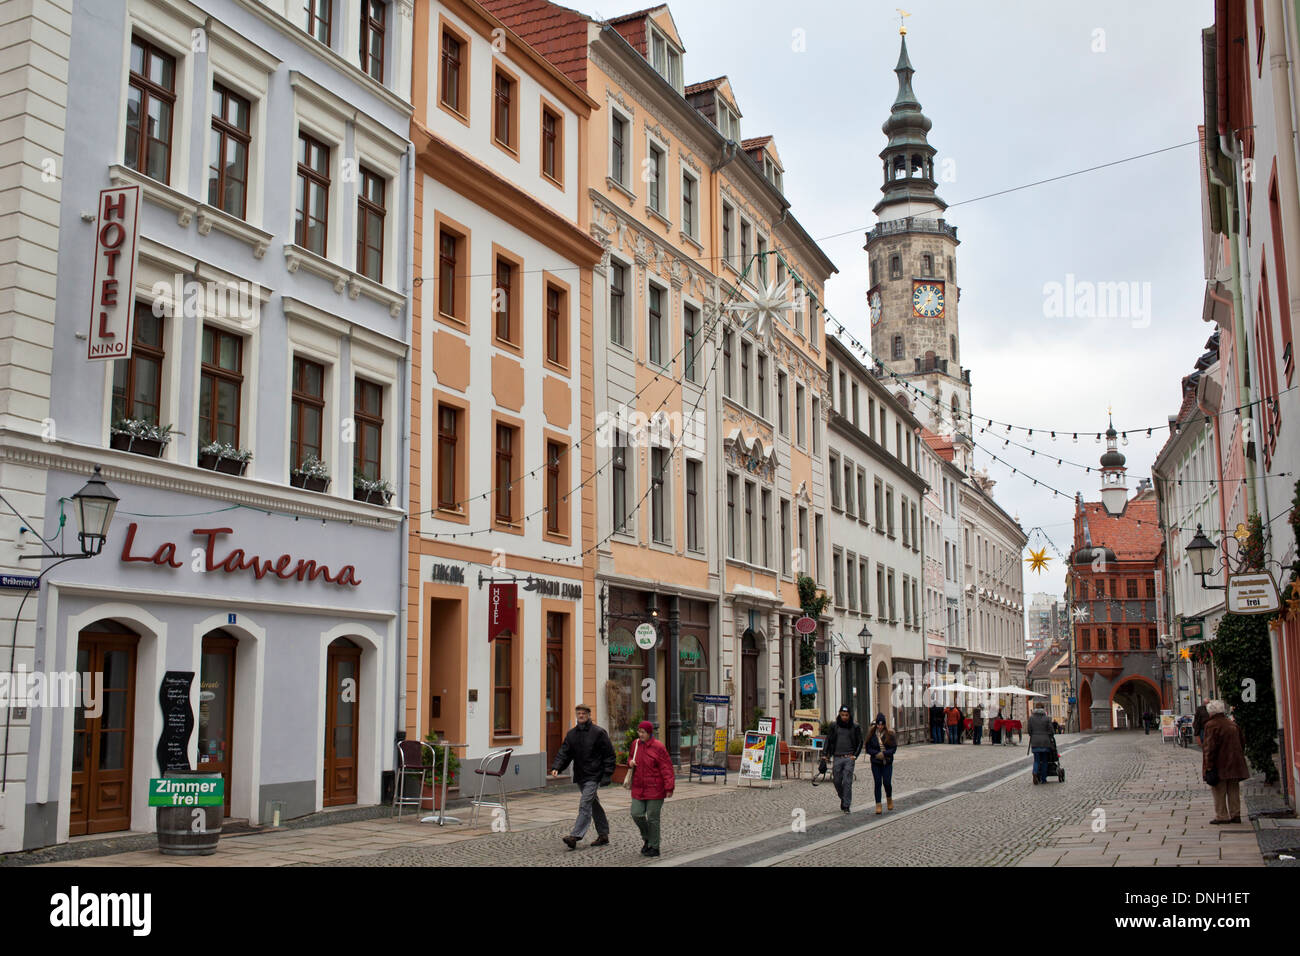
point(589, 749)
point(936, 724)
point(977, 725)
point(843, 744)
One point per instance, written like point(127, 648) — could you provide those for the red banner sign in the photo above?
point(112, 297)
point(503, 611)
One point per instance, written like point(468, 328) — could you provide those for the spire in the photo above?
point(908, 156)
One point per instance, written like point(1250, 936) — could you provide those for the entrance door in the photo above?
point(554, 684)
point(748, 679)
point(101, 746)
point(343, 687)
point(217, 706)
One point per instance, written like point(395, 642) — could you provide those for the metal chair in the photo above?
point(493, 765)
point(411, 762)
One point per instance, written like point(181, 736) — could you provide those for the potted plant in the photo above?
point(312, 474)
point(431, 792)
point(373, 491)
point(139, 436)
point(224, 457)
point(735, 747)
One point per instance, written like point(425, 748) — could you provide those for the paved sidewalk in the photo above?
point(1159, 818)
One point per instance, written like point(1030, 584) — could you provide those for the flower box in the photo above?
point(312, 483)
point(227, 466)
point(374, 497)
point(149, 447)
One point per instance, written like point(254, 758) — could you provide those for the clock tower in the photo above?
point(912, 294)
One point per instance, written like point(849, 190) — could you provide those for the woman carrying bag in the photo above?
point(651, 778)
point(881, 744)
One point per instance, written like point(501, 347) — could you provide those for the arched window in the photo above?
point(927, 264)
point(918, 165)
point(898, 347)
point(956, 410)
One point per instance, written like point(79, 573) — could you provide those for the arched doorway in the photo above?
point(216, 723)
point(342, 712)
point(884, 699)
point(1085, 706)
point(748, 678)
point(1136, 695)
point(104, 738)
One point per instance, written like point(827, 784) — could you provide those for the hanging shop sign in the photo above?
point(206, 559)
point(805, 625)
point(112, 296)
point(1253, 593)
point(808, 683)
point(646, 636)
point(503, 610)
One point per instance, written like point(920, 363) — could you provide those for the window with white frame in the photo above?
point(657, 324)
point(690, 204)
point(728, 120)
point(620, 146)
point(653, 175)
point(729, 234)
point(665, 58)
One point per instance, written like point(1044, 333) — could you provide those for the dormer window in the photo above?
point(772, 172)
point(666, 59)
point(728, 121)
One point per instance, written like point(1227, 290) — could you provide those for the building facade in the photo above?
point(251, 418)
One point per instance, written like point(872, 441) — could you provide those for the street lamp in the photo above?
point(1202, 553)
point(864, 636)
point(96, 505)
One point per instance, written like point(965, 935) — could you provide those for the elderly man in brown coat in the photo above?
point(1224, 762)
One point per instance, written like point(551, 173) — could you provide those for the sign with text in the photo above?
point(23, 582)
point(112, 296)
point(646, 636)
point(503, 614)
point(709, 755)
point(758, 760)
point(1253, 593)
point(177, 721)
point(180, 792)
point(805, 625)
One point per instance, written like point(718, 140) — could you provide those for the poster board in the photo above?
point(709, 755)
point(1168, 725)
point(758, 760)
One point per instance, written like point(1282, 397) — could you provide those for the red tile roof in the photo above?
point(712, 84)
point(556, 32)
point(1124, 535)
point(755, 142)
point(940, 444)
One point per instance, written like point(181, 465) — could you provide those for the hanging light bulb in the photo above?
point(1076, 438)
point(1124, 438)
point(1097, 439)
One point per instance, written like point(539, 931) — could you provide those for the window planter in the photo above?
point(372, 497)
point(310, 482)
point(149, 447)
point(227, 466)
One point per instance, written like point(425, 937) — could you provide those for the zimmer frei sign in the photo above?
point(113, 293)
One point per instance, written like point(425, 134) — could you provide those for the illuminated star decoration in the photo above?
point(1080, 613)
point(771, 303)
point(1037, 560)
point(1185, 654)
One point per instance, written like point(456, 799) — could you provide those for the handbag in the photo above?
point(627, 781)
point(1212, 776)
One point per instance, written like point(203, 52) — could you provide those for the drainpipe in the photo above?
point(404, 458)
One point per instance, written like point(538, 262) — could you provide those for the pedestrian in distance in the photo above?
point(587, 747)
point(1146, 722)
point(653, 781)
point(936, 724)
point(997, 727)
point(955, 725)
point(1041, 741)
point(881, 744)
point(843, 744)
point(1223, 761)
point(1198, 722)
point(977, 725)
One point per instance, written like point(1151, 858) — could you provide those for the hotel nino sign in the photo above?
point(113, 293)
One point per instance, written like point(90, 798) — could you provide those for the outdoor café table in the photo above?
point(801, 756)
point(441, 817)
point(1008, 728)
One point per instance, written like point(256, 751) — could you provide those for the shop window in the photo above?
point(503, 693)
point(627, 669)
point(693, 678)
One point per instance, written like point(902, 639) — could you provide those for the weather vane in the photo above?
point(902, 27)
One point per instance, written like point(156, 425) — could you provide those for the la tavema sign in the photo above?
point(205, 558)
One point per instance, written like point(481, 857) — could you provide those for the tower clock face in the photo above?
point(873, 301)
point(927, 299)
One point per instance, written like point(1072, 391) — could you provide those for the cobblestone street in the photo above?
point(963, 806)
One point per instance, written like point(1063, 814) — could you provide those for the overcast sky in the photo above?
point(1017, 92)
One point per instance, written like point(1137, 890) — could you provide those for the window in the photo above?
point(553, 455)
point(895, 267)
point(728, 251)
point(150, 100)
point(803, 541)
point(880, 593)
point(862, 495)
point(854, 406)
point(837, 577)
point(617, 286)
point(502, 675)
point(656, 325)
point(665, 59)
point(761, 372)
point(897, 351)
point(228, 164)
point(835, 481)
point(862, 587)
point(452, 93)
point(765, 521)
point(221, 383)
point(693, 481)
point(875, 275)
point(907, 603)
point(889, 586)
point(690, 330)
point(320, 17)
point(505, 115)
point(744, 248)
point(552, 145)
point(817, 548)
point(728, 121)
point(689, 225)
point(374, 16)
point(762, 258)
point(307, 411)
point(745, 350)
point(952, 347)
point(506, 301)
point(137, 381)
point(785, 536)
point(750, 490)
point(452, 287)
point(557, 325)
point(798, 414)
point(618, 127)
point(370, 225)
point(848, 488)
point(726, 364)
point(732, 482)
point(927, 264)
point(889, 511)
point(654, 178)
point(1131, 588)
point(311, 223)
point(619, 481)
point(506, 490)
point(902, 503)
point(368, 449)
point(871, 414)
point(880, 506)
point(448, 456)
point(782, 403)
point(658, 502)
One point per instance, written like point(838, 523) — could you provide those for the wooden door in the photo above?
point(217, 707)
point(748, 680)
point(342, 703)
point(102, 744)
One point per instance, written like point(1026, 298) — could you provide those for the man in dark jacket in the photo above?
point(588, 748)
point(936, 724)
point(843, 744)
point(1198, 722)
point(1041, 741)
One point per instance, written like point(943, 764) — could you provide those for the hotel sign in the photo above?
point(503, 614)
point(1253, 593)
point(112, 296)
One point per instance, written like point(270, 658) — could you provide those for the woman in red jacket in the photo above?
point(653, 780)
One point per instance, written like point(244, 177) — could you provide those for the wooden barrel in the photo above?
point(190, 831)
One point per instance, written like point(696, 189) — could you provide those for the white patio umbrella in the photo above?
point(1015, 691)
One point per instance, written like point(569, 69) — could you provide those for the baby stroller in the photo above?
point(1053, 766)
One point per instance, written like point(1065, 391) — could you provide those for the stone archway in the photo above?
point(883, 697)
point(1136, 694)
point(1085, 706)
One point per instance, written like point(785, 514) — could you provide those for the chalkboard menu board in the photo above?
point(177, 722)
